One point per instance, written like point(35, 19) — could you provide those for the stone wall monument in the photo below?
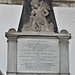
point(37, 48)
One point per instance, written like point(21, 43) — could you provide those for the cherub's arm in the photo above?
point(33, 12)
point(32, 16)
point(45, 12)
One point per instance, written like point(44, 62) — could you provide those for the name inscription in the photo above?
point(38, 55)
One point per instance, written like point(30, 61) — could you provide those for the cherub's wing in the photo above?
point(46, 5)
point(19, 2)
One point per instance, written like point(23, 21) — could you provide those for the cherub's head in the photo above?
point(34, 4)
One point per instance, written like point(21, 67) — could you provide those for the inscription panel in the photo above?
point(38, 55)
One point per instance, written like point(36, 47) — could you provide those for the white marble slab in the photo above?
point(38, 55)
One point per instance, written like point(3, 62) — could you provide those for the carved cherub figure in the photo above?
point(38, 22)
point(39, 13)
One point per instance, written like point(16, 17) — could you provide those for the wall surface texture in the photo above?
point(58, 3)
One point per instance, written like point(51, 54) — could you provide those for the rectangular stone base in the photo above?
point(52, 48)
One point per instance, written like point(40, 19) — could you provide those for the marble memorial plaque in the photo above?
point(38, 55)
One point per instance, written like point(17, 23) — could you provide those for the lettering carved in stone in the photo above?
point(38, 55)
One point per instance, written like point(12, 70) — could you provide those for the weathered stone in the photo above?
point(3, 1)
point(64, 32)
point(37, 21)
point(26, 13)
point(19, 2)
point(64, 3)
point(12, 30)
point(58, 3)
point(30, 50)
